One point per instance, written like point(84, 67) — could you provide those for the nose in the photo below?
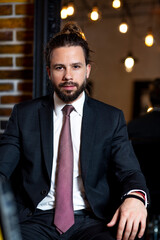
point(67, 74)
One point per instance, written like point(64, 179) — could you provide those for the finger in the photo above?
point(142, 228)
point(114, 219)
point(135, 228)
point(121, 228)
point(128, 230)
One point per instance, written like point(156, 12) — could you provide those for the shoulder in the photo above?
point(101, 106)
point(139, 121)
point(34, 103)
point(145, 126)
point(104, 113)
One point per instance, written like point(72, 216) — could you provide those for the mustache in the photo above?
point(68, 84)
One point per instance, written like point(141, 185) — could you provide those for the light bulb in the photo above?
point(150, 109)
point(116, 3)
point(129, 62)
point(70, 9)
point(123, 27)
point(94, 16)
point(64, 13)
point(149, 40)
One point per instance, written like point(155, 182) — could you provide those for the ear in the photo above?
point(88, 70)
point(49, 72)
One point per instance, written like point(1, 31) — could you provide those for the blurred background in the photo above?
point(26, 26)
point(124, 36)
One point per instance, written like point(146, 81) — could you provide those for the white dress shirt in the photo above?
point(79, 200)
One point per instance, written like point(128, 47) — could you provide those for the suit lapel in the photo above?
point(87, 136)
point(46, 129)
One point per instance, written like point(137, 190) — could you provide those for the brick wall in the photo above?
point(16, 55)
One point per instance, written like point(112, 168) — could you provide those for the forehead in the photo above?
point(67, 53)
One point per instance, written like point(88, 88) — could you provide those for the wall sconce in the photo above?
point(116, 4)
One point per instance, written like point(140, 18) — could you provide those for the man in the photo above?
point(147, 125)
point(31, 155)
point(144, 133)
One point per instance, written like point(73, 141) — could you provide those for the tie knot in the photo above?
point(67, 109)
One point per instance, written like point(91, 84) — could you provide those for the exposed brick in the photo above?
point(24, 35)
point(14, 99)
point(26, 22)
point(6, 36)
point(6, 10)
point(6, 62)
point(13, 1)
point(24, 61)
point(25, 9)
point(24, 32)
point(26, 87)
point(5, 111)
point(22, 48)
point(16, 74)
point(6, 87)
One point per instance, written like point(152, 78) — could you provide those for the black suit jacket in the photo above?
point(145, 127)
point(144, 133)
point(26, 154)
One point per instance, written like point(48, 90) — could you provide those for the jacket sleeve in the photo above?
point(127, 168)
point(10, 146)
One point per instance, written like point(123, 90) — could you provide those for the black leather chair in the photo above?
point(9, 228)
point(148, 154)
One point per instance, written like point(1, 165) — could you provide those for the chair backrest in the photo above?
point(9, 228)
point(148, 154)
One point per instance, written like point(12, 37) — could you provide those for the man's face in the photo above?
point(68, 72)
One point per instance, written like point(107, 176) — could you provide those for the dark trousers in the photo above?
point(87, 227)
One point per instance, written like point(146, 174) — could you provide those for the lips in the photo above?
point(68, 85)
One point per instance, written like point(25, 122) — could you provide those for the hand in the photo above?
point(132, 216)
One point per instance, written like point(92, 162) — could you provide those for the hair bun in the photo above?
point(72, 28)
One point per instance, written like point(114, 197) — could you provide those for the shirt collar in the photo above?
point(78, 104)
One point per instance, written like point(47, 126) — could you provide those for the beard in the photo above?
point(68, 95)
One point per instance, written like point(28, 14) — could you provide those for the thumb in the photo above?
point(114, 219)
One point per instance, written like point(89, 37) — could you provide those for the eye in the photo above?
point(76, 66)
point(59, 68)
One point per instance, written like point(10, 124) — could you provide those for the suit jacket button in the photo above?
point(44, 192)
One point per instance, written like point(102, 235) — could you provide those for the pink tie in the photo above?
point(64, 215)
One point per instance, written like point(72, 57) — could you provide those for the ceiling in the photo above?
point(129, 8)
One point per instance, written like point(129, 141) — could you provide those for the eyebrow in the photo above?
point(63, 65)
point(77, 63)
point(58, 64)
